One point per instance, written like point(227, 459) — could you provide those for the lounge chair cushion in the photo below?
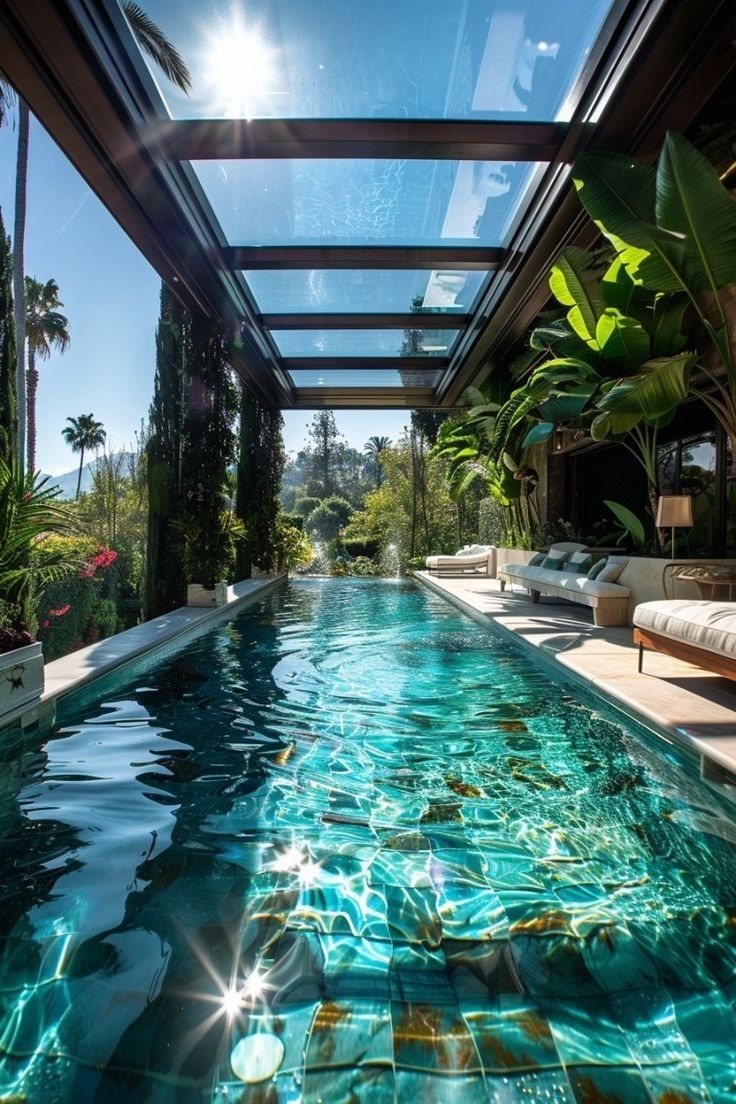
point(708, 625)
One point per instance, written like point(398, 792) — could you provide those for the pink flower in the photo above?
point(61, 611)
point(45, 624)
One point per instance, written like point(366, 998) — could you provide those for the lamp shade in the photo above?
point(674, 511)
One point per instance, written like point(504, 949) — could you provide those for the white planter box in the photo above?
point(21, 678)
point(197, 595)
point(219, 595)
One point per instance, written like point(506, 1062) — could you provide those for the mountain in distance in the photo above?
point(67, 482)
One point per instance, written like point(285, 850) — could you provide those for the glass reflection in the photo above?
point(361, 202)
point(407, 377)
point(420, 59)
point(316, 291)
point(361, 343)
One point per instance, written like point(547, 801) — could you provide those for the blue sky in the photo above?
point(110, 295)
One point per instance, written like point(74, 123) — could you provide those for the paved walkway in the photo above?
point(681, 701)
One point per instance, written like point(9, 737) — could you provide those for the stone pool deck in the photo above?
point(682, 702)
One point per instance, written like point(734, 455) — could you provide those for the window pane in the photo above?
point(365, 202)
point(417, 59)
point(335, 378)
point(360, 343)
point(318, 291)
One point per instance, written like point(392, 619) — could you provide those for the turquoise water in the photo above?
point(360, 827)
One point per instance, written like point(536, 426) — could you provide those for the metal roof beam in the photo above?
point(455, 258)
point(246, 139)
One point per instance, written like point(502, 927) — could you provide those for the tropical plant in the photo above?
point(617, 369)
point(674, 230)
point(374, 446)
point(209, 550)
point(81, 434)
point(29, 514)
point(291, 546)
point(484, 445)
point(46, 329)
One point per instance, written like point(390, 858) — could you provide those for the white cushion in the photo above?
point(594, 586)
point(557, 554)
point(708, 625)
point(612, 570)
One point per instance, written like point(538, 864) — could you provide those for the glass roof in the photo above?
point(364, 202)
point(382, 291)
point(416, 59)
point(359, 343)
point(356, 378)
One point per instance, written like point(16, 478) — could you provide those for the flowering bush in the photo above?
point(81, 610)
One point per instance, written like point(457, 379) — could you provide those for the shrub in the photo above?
point(329, 518)
point(361, 547)
point(80, 610)
point(305, 505)
point(292, 547)
point(362, 566)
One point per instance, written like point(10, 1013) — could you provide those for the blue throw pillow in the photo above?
point(555, 563)
point(596, 569)
point(536, 560)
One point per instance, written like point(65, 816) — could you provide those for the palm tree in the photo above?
point(83, 433)
point(373, 447)
point(46, 329)
point(153, 42)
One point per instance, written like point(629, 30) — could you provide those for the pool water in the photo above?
point(352, 847)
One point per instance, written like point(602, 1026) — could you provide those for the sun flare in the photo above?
point(240, 67)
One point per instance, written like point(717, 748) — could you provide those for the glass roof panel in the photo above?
point(418, 59)
point(381, 291)
point(360, 343)
point(365, 202)
point(382, 378)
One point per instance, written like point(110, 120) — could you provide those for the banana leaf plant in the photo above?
point(617, 369)
point(673, 228)
point(483, 445)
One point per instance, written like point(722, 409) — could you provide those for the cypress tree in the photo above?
point(165, 587)
point(260, 468)
point(8, 402)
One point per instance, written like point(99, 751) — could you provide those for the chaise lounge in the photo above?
point(696, 631)
point(475, 559)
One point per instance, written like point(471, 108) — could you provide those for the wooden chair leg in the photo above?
point(641, 658)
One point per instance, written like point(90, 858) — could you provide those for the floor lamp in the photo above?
point(674, 512)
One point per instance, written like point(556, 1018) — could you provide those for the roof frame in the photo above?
point(431, 140)
point(74, 64)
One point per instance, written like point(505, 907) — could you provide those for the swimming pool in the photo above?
point(353, 844)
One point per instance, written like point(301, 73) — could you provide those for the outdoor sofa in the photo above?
point(474, 559)
point(563, 572)
point(697, 631)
